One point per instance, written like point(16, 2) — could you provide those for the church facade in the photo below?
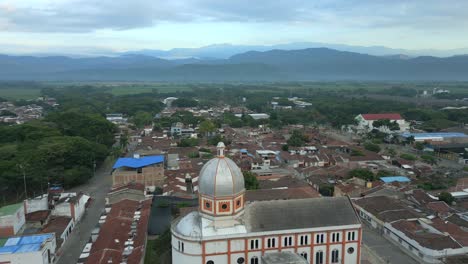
point(225, 230)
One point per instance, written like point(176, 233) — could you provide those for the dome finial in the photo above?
point(221, 148)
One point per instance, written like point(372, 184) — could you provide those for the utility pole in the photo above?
point(24, 180)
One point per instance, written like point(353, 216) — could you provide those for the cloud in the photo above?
point(92, 15)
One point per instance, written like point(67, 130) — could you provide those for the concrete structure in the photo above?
point(366, 121)
point(148, 170)
point(178, 129)
point(226, 229)
point(35, 249)
point(284, 257)
point(12, 219)
point(72, 205)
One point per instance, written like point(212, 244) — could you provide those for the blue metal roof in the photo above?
point(435, 134)
point(391, 179)
point(24, 244)
point(138, 162)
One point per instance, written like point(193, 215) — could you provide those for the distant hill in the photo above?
point(224, 51)
point(274, 65)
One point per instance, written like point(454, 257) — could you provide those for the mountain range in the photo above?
point(224, 51)
point(272, 65)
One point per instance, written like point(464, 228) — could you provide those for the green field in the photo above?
point(19, 93)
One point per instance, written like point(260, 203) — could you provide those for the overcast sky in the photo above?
point(93, 26)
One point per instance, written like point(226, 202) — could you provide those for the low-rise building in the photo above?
point(148, 170)
point(12, 219)
point(34, 249)
point(366, 122)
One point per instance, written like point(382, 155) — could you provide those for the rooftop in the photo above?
point(388, 116)
point(391, 179)
point(432, 135)
point(10, 209)
point(25, 244)
point(138, 162)
point(300, 213)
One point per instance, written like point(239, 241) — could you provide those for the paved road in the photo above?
point(97, 187)
point(384, 248)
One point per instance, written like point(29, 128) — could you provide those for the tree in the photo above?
point(407, 157)
point(446, 197)
point(364, 174)
point(372, 147)
point(419, 145)
point(142, 119)
point(297, 139)
point(207, 127)
point(250, 179)
point(285, 147)
point(185, 102)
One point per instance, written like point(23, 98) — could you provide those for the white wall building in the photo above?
point(72, 205)
point(12, 219)
point(365, 122)
point(34, 249)
point(226, 230)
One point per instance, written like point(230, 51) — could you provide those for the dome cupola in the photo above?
point(221, 186)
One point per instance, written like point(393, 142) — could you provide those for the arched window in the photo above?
point(304, 255)
point(254, 260)
point(319, 257)
point(334, 256)
point(210, 262)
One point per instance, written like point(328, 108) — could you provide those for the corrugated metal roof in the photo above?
point(138, 162)
point(390, 179)
point(433, 135)
point(25, 243)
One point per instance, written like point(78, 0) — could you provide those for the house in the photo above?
point(34, 249)
point(429, 240)
point(12, 219)
point(147, 170)
point(178, 129)
point(366, 122)
point(131, 191)
point(122, 236)
point(72, 205)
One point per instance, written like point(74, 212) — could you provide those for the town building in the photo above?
point(226, 229)
point(34, 249)
point(12, 219)
point(148, 170)
point(365, 122)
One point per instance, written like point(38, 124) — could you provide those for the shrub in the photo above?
point(372, 147)
point(407, 156)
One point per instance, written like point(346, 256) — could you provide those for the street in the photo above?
point(97, 188)
point(384, 248)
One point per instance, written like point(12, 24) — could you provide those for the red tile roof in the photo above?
point(37, 216)
point(111, 244)
point(389, 116)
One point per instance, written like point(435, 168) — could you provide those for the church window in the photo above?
point(319, 239)
point(304, 255)
point(319, 257)
point(240, 260)
point(350, 250)
point(287, 241)
point(334, 256)
point(254, 244)
point(254, 260)
point(304, 240)
point(210, 262)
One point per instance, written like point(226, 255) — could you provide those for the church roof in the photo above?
point(221, 176)
point(297, 214)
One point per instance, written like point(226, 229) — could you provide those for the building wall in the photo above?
point(37, 257)
point(149, 176)
point(11, 224)
point(36, 204)
point(413, 247)
point(222, 250)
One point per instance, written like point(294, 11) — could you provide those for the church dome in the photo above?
point(220, 177)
